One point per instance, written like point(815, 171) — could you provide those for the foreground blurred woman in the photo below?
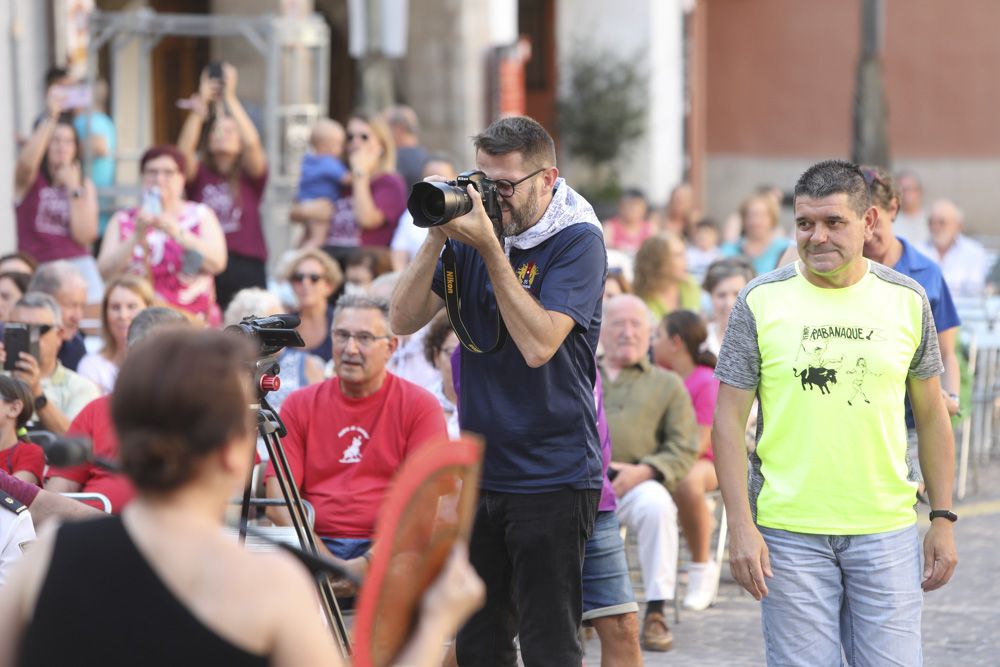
point(161, 584)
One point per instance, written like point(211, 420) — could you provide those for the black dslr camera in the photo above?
point(433, 204)
point(271, 335)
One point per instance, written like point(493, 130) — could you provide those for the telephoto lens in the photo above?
point(433, 204)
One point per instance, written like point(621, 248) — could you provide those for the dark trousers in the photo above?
point(241, 272)
point(528, 549)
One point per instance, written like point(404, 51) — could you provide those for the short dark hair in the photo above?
point(518, 134)
point(12, 389)
point(164, 150)
point(149, 319)
point(180, 397)
point(726, 268)
point(54, 75)
point(832, 177)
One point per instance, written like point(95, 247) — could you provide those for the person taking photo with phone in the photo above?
point(58, 393)
point(176, 244)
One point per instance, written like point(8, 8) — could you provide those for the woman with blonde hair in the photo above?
point(760, 239)
point(369, 209)
point(124, 297)
point(661, 277)
point(314, 278)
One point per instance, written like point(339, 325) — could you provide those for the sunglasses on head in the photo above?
point(314, 278)
point(871, 177)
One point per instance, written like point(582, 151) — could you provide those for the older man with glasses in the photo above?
point(59, 393)
point(348, 435)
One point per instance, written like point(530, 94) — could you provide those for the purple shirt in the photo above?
point(21, 491)
point(239, 216)
point(389, 195)
point(43, 223)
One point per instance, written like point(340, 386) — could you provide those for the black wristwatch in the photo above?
point(944, 514)
point(41, 401)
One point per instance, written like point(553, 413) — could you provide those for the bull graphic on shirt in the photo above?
point(817, 377)
point(353, 453)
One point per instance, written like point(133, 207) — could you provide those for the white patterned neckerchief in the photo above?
point(567, 208)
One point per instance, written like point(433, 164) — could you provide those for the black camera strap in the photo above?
point(453, 305)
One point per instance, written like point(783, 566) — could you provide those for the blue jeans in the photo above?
point(856, 593)
point(347, 548)
point(607, 586)
point(528, 549)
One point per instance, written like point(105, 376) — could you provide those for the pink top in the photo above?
point(43, 223)
point(618, 237)
point(389, 194)
point(240, 218)
point(193, 293)
point(704, 389)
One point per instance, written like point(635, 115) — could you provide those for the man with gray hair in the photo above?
point(962, 260)
point(410, 155)
point(94, 422)
point(63, 282)
point(59, 393)
point(348, 435)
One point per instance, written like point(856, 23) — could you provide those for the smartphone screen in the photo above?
point(75, 96)
point(16, 339)
point(151, 201)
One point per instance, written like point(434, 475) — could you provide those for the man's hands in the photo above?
point(629, 476)
point(26, 370)
point(748, 559)
point(940, 555)
point(475, 228)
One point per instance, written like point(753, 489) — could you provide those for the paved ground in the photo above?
point(961, 621)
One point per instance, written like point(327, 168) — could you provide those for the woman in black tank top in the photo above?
point(162, 584)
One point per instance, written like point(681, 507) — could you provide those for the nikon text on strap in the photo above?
point(454, 306)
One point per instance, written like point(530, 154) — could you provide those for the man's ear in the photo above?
point(549, 178)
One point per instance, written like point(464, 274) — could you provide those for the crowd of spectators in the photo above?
point(358, 399)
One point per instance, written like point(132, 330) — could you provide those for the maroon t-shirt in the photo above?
point(389, 195)
point(240, 219)
point(43, 223)
point(18, 489)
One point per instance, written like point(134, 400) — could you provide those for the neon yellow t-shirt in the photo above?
point(830, 368)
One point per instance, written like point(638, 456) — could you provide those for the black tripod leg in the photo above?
point(293, 501)
point(245, 507)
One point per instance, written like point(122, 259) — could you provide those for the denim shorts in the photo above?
point(347, 548)
point(607, 587)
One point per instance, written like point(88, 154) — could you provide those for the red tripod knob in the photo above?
point(270, 383)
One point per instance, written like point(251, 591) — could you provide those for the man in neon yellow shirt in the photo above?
point(824, 533)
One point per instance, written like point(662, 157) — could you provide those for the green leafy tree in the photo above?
point(601, 112)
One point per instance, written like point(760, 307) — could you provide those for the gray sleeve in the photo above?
point(926, 362)
point(739, 358)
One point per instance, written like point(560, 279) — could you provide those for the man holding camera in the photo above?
point(59, 392)
point(532, 399)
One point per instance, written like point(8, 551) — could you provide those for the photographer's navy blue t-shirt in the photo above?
point(540, 424)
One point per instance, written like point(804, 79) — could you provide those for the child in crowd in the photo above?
point(22, 459)
point(323, 172)
point(703, 248)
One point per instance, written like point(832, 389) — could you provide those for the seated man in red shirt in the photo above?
point(94, 422)
point(347, 436)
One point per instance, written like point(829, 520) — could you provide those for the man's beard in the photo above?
point(521, 218)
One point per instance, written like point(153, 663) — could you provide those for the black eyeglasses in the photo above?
point(505, 188)
point(365, 339)
point(363, 136)
point(311, 277)
point(41, 328)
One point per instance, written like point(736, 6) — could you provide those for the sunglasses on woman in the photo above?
point(311, 277)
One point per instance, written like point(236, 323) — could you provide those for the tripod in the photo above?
point(271, 429)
